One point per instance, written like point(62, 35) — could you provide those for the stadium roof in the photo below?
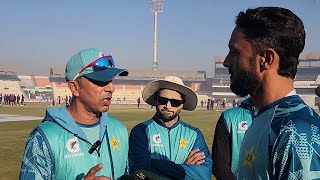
point(10, 68)
point(150, 74)
point(309, 55)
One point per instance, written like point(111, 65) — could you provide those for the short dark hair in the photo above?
point(276, 28)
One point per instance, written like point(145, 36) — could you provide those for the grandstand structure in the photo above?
point(129, 88)
point(307, 78)
point(58, 83)
point(9, 81)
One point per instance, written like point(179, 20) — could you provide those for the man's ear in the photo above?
point(267, 58)
point(74, 87)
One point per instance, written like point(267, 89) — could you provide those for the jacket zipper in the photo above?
point(110, 155)
point(169, 144)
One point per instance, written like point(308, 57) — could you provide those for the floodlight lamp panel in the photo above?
point(156, 5)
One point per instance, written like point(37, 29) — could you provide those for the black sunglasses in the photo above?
point(173, 102)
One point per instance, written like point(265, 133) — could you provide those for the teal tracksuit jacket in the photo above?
point(58, 148)
point(154, 147)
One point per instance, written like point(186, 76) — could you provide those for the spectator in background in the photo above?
point(201, 103)
point(234, 103)
point(5, 99)
point(22, 99)
point(12, 99)
point(18, 99)
point(0, 98)
point(211, 104)
point(218, 104)
point(67, 101)
point(208, 104)
point(138, 101)
point(59, 100)
point(53, 102)
point(8, 99)
point(223, 104)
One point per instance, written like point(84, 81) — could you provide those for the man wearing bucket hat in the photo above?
point(80, 141)
point(165, 144)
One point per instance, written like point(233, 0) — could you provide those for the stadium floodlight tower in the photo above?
point(155, 7)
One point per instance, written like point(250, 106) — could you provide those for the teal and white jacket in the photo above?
point(283, 142)
point(154, 147)
point(58, 148)
point(229, 133)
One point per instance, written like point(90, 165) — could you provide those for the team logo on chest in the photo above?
point(115, 143)
point(183, 143)
point(249, 158)
point(73, 147)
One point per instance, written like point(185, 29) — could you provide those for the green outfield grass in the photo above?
point(14, 134)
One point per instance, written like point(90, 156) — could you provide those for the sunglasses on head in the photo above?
point(173, 102)
point(102, 63)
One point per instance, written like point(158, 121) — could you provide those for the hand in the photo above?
point(92, 173)
point(195, 157)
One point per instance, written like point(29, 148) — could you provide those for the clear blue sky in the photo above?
point(37, 34)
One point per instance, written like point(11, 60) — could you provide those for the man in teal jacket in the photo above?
point(228, 136)
point(80, 141)
point(165, 144)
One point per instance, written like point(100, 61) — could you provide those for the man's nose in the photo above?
point(109, 87)
point(227, 62)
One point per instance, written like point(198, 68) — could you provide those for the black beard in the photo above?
point(246, 83)
point(165, 118)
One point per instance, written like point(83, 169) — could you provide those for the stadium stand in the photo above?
point(60, 89)
point(9, 81)
point(26, 82)
point(150, 75)
point(43, 88)
point(129, 88)
point(42, 81)
point(306, 80)
point(58, 83)
point(10, 87)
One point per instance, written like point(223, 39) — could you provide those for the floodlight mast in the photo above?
point(155, 7)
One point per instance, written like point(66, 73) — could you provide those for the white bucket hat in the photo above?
point(173, 83)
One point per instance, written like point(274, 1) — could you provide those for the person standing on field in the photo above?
point(283, 140)
point(80, 141)
point(165, 144)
